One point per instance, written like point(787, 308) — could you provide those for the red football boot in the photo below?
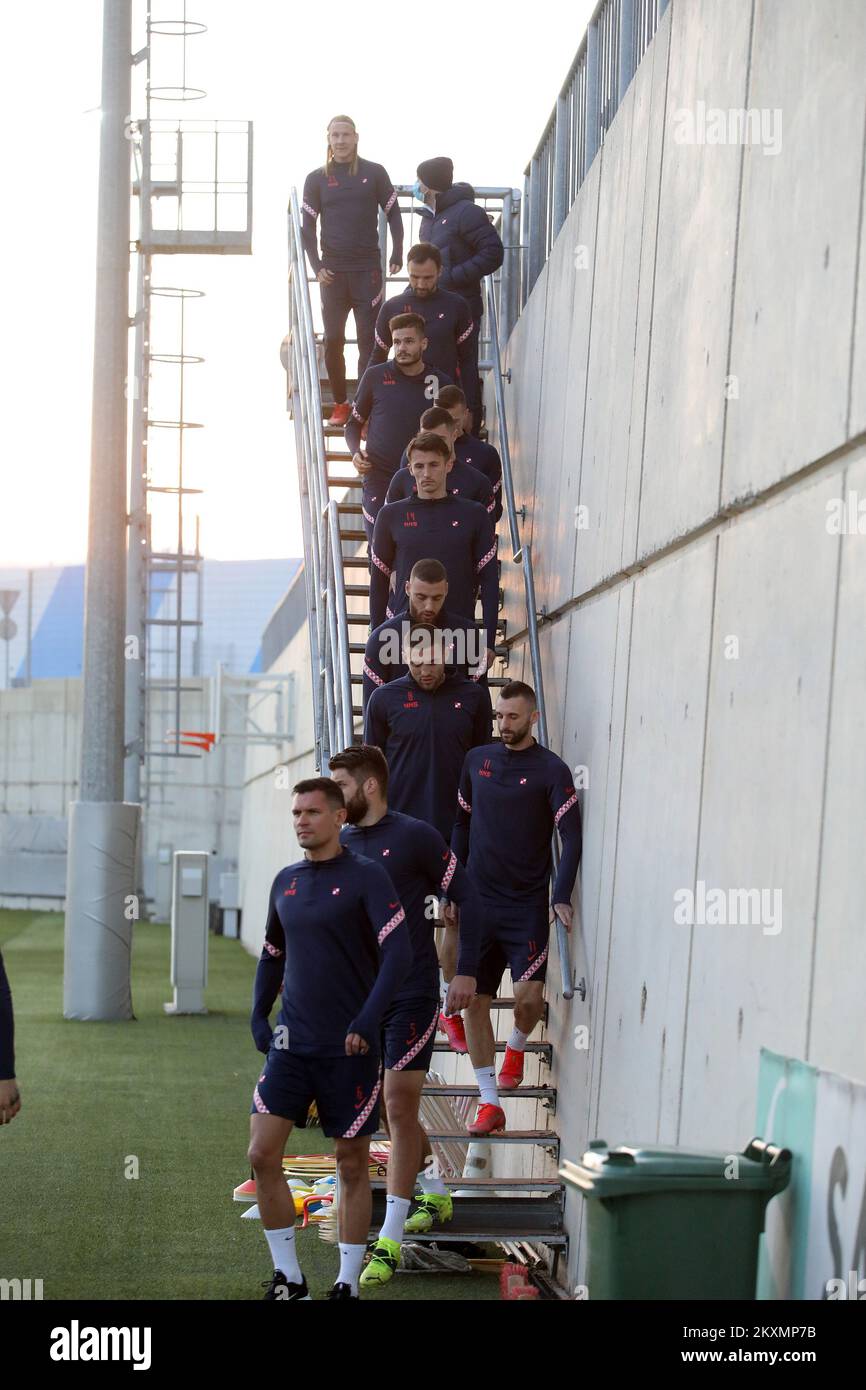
point(511, 1074)
point(340, 414)
point(452, 1026)
point(487, 1119)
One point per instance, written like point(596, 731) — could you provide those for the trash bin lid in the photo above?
point(630, 1170)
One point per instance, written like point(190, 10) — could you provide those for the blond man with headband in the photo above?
point(347, 192)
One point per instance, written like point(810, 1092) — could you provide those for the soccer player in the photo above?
point(426, 592)
point(336, 937)
point(391, 399)
point(469, 449)
point(448, 318)
point(425, 723)
point(457, 533)
point(469, 244)
point(423, 869)
point(462, 481)
point(347, 192)
point(512, 795)
point(10, 1096)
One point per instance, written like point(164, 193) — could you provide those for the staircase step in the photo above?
point(539, 1137)
point(357, 590)
point(347, 535)
point(343, 482)
point(489, 1219)
point(491, 1184)
point(542, 1049)
point(518, 1093)
point(349, 509)
point(356, 562)
point(358, 618)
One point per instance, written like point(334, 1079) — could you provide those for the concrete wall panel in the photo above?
point(694, 273)
point(797, 251)
point(761, 802)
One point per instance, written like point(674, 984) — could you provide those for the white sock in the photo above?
point(486, 1078)
point(282, 1247)
point(443, 992)
point(517, 1041)
point(430, 1184)
point(351, 1260)
point(396, 1211)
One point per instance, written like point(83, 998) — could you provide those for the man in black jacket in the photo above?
point(468, 242)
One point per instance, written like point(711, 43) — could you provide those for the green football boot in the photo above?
point(383, 1264)
point(432, 1207)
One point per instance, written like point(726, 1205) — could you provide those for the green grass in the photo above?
point(175, 1094)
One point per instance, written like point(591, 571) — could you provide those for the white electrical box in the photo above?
point(189, 932)
point(230, 902)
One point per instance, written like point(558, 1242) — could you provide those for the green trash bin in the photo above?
point(667, 1223)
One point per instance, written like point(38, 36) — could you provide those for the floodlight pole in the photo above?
point(103, 829)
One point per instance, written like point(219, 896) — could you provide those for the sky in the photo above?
point(476, 81)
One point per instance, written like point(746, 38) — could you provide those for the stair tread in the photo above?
point(538, 1048)
point(491, 1184)
point(490, 1219)
point(508, 1136)
point(518, 1093)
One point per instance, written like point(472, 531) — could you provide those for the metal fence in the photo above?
point(618, 35)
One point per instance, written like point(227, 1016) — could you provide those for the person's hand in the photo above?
point(395, 267)
point(356, 1046)
point(451, 915)
point(325, 277)
point(10, 1100)
point(490, 657)
point(461, 992)
point(565, 914)
point(362, 464)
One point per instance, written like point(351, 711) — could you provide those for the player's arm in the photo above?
point(566, 818)
point(488, 581)
point(467, 355)
point(310, 208)
point(10, 1096)
point(390, 204)
point(455, 885)
point(376, 722)
point(375, 673)
point(382, 336)
point(488, 252)
point(269, 976)
point(362, 407)
point(388, 920)
point(463, 818)
point(496, 484)
point(382, 555)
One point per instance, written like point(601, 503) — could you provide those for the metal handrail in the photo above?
point(323, 559)
point(521, 554)
point(617, 36)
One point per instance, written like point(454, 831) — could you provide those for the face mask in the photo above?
point(418, 190)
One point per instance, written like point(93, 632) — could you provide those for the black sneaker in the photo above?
point(344, 1291)
point(278, 1287)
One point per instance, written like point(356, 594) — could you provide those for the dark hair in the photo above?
point(512, 689)
point(408, 321)
point(450, 396)
point(429, 572)
point(430, 443)
point(434, 416)
point(425, 251)
point(325, 785)
point(362, 761)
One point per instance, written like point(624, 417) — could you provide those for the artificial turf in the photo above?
point(172, 1093)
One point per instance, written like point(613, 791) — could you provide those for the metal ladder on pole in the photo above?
point(520, 1212)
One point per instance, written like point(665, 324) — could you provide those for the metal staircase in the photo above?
point(506, 1210)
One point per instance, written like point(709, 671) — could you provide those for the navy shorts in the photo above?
point(345, 1089)
point(515, 935)
point(409, 1032)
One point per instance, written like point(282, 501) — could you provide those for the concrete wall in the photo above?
point(696, 380)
